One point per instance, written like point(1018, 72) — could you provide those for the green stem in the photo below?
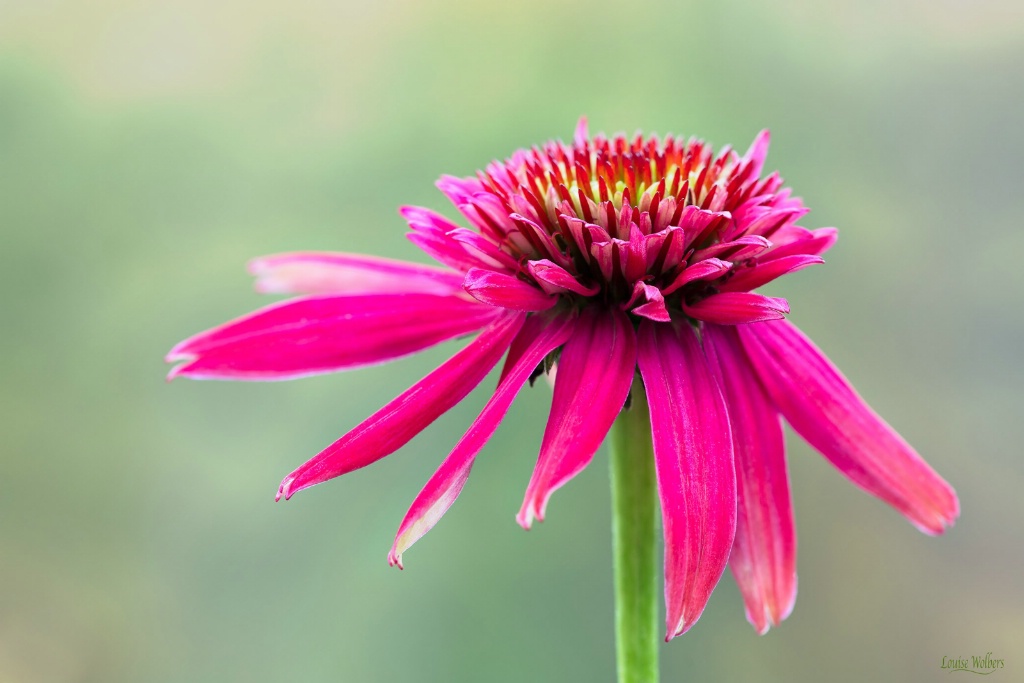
point(634, 543)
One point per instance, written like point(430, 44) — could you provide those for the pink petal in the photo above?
point(764, 272)
point(507, 291)
point(828, 413)
point(554, 279)
point(323, 333)
point(459, 190)
point(335, 273)
point(708, 269)
point(763, 559)
point(536, 236)
point(654, 309)
point(694, 463)
point(539, 336)
point(699, 223)
point(773, 220)
point(395, 424)
point(430, 233)
point(754, 244)
point(815, 243)
point(595, 371)
point(735, 308)
point(580, 137)
point(758, 152)
point(489, 254)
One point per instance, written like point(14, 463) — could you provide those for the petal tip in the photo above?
point(527, 516)
point(285, 489)
point(581, 134)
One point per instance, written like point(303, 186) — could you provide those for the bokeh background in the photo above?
point(148, 149)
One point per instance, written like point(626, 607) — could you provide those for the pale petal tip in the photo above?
point(771, 615)
point(395, 559)
point(285, 490)
point(175, 371)
point(528, 514)
point(942, 519)
point(582, 134)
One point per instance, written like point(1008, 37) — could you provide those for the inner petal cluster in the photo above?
point(662, 228)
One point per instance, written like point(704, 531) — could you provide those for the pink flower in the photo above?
point(605, 257)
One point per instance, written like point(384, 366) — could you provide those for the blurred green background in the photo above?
point(148, 149)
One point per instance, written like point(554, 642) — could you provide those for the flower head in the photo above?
point(603, 258)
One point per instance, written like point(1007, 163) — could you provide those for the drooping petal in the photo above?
point(595, 371)
point(507, 291)
point(395, 424)
point(694, 463)
point(314, 272)
point(763, 559)
point(539, 336)
point(735, 308)
point(324, 333)
point(827, 412)
point(764, 272)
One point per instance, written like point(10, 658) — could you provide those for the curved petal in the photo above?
point(595, 371)
point(540, 336)
point(654, 309)
point(812, 242)
point(312, 272)
point(506, 291)
point(694, 464)
point(708, 269)
point(395, 424)
point(746, 279)
point(763, 559)
point(758, 152)
point(324, 333)
point(431, 233)
point(554, 279)
point(735, 308)
point(827, 412)
point(749, 245)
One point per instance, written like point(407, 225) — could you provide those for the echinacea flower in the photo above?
point(600, 259)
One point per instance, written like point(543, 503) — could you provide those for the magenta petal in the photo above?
point(763, 559)
point(507, 291)
point(694, 463)
point(750, 244)
point(539, 336)
point(595, 371)
point(735, 308)
point(324, 333)
point(554, 279)
point(707, 269)
point(815, 243)
point(484, 249)
point(758, 152)
point(654, 309)
point(395, 424)
point(764, 272)
point(827, 412)
point(336, 273)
